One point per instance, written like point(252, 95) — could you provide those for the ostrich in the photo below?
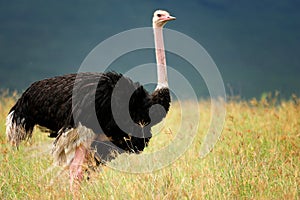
point(53, 104)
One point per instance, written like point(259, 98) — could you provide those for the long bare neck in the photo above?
point(162, 81)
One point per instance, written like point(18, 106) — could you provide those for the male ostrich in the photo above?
point(65, 106)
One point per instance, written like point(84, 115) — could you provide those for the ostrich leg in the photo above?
point(76, 172)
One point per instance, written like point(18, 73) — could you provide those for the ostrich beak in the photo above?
point(169, 18)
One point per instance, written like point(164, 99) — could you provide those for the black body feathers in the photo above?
point(98, 101)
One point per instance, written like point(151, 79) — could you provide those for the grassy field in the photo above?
point(257, 157)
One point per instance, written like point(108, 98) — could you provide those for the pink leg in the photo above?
point(76, 173)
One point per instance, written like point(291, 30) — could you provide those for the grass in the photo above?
point(257, 157)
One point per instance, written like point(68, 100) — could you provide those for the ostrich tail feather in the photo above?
point(15, 131)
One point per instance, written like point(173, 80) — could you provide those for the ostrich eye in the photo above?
point(158, 15)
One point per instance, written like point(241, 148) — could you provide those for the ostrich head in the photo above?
point(160, 18)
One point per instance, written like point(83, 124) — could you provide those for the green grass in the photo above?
point(257, 157)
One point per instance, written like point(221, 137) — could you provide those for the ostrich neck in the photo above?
point(162, 79)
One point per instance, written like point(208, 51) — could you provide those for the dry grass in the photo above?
point(257, 157)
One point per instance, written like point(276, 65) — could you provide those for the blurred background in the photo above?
point(255, 44)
